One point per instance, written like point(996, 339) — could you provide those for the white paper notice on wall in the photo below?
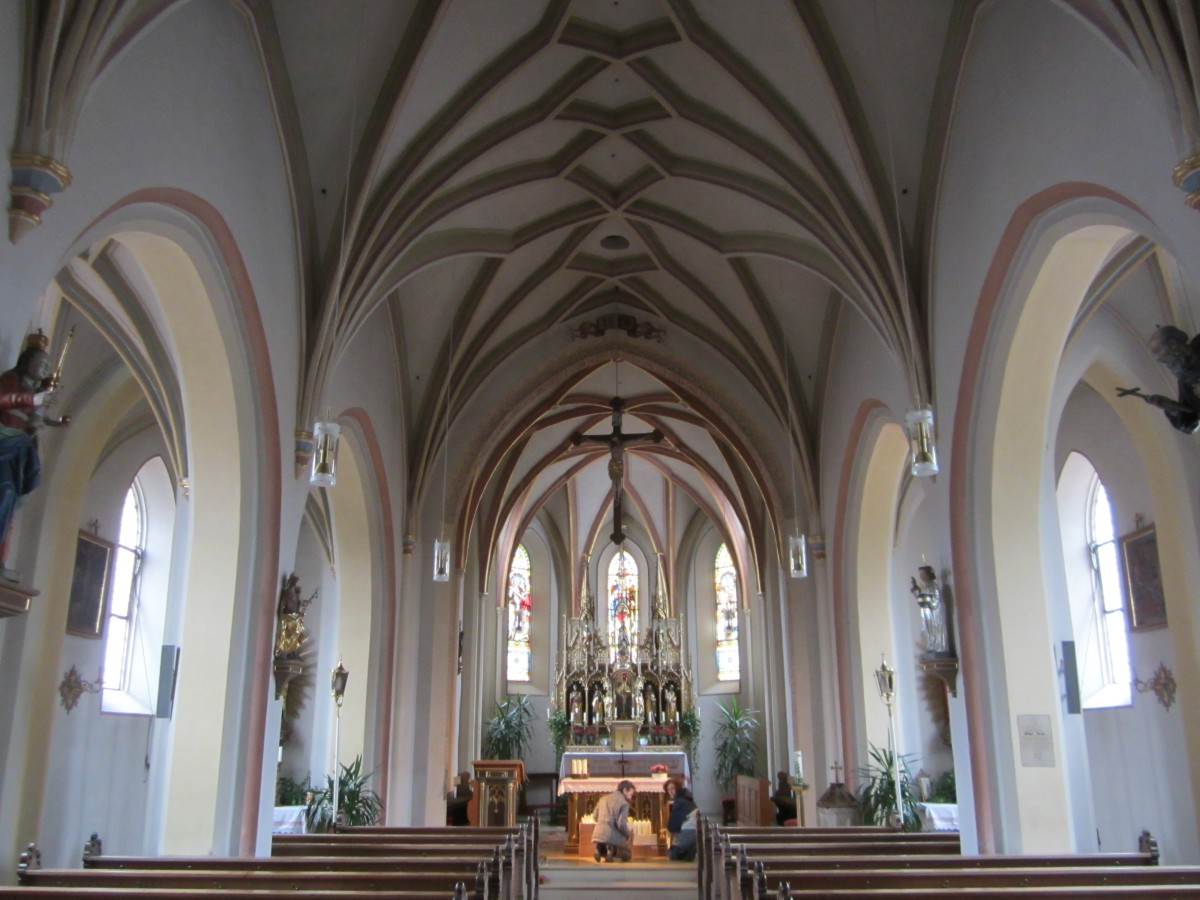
point(1037, 743)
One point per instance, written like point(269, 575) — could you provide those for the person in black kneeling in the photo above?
point(681, 823)
point(784, 799)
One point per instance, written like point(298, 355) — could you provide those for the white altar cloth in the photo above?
point(288, 820)
point(938, 816)
point(605, 763)
point(608, 785)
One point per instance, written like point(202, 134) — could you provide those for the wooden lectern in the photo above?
point(497, 782)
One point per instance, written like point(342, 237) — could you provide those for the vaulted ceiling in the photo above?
point(726, 175)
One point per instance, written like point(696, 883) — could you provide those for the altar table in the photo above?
point(288, 820)
point(603, 762)
point(938, 816)
point(650, 803)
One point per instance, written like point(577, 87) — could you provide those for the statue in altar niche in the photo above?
point(649, 704)
point(933, 611)
point(670, 710)
point(624, 701)
point(598, 717)
point(576, 706)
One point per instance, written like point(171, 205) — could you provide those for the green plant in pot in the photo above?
point(509, 733)
point(559, 726)
point(689, 735)
point(877, 795)
point(357, 803)
point(736, 744)
point(290, 792)
point(944, 789)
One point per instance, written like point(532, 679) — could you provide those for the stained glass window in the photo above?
point(729, 664)
point(622, 608)
point(520, 608)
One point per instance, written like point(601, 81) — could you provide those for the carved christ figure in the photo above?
point(617, 442)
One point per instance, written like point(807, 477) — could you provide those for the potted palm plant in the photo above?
point(509, 732)
point(357, 803)
point(877, 796)
point(736, 745)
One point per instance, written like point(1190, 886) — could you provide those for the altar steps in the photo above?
point(583, 879)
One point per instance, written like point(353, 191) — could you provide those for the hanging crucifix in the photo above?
point(617, 442)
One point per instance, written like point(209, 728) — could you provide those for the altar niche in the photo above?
point(628, 685)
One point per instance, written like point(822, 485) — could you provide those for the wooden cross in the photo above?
point(616, 441)
point(837, 772)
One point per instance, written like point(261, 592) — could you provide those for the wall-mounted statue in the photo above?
point(933, 611)
point(1172, 348)
point(291, 618)
point(26, 394)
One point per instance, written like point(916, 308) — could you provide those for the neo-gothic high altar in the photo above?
point(628, 689)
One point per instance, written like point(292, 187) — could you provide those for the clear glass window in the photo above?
point(122, 607)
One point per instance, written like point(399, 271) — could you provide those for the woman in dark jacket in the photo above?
point(681, 824)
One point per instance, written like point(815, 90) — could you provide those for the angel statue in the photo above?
point(1172, 348)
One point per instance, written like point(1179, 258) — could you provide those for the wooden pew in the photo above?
point(485, 884)
point(767, 879)
point(715, 857)
point(518, 853)
point(90, 893)
point(285, 881)
point(1091, 892)
point(724, 861)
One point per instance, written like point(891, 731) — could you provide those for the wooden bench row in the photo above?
point(408, 864)
point(518, 853)
point(784, 863)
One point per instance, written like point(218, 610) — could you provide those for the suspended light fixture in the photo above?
point(441, 547)
point(798, 556)
point(797, 543)
point(324, 462)
point(921, 441)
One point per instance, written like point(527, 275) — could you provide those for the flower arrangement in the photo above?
point(658, 771)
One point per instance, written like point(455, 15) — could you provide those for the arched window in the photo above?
point(622, 608)
point(729, 664)
point(1094, 586)
point(520, 608)
point(122, 607)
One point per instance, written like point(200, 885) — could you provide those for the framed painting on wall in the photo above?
point(1143, 580)
point(89, 587)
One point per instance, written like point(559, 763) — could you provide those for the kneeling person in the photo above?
point(613, 837)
